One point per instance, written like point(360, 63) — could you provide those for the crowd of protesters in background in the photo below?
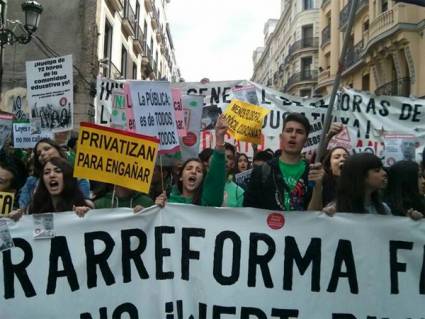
point(283, 179)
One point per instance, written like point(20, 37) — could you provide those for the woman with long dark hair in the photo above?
point(332, 164)
point(194, 185)
point(57, 191)
point(362, 179)
point(405, 191)
point(44, 150)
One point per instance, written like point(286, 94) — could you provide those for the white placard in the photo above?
point(153, 111)
point(23, 138)
point(51, 94)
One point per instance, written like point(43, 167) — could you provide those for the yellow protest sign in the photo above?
point(114, 156)
point(6, 202)
point(245, 121)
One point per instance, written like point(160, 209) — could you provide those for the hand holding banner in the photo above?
point(245, 121)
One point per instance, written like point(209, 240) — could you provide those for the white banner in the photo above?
point(51, 93)
point(367, 115)
point(22, 137)
point(193, 262)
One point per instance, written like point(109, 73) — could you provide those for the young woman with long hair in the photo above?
point(57, 191)
point(332, 164)
point(194, 185)
point(44, 150)
point(359, 187)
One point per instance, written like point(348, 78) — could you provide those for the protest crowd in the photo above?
point(42, 179)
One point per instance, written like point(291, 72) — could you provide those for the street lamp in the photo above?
point(32, 10)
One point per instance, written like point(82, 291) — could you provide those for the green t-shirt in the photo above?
point(291, 174)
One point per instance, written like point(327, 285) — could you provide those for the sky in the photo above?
point(216, 38)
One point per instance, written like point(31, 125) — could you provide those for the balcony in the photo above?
point(324, 75)
point(110, 71)
point(305, 43)
point(299, 77)
point(400, 87)
point(158, 36)
point(345, 12)
point(115, 5)
point(138, 41)
point(154, 19)
point(391, 20)
point(353, 55)
point(326, 36)
point(149, 5)
point(129, 19)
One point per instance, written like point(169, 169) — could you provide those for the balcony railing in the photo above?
point(326, 35)
point(129, 19)
point(148, 5)
point(353, 55)
point(154, 19)
point(305, 43)
point(345, 12)
point(324, 75)
point(115, 5)
point(138, 42)
point(398, 14)
point(110, 71)
point(303, 76)
point(400, 87)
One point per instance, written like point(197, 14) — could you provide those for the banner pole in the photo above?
point(162, 174)
point(328, 118)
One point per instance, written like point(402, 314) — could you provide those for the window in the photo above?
point(384, 5)
point(124, 62)
point(107, 48)
point(137, 14)
point(306, 64)
point(307, 4)
point(307, 35)
point(134, 71)
point(365, 82)
point(305, 92)
point(145, 31)
point(107, 45)
point(366, 26)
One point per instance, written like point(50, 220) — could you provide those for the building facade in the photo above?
point(117, 39)
point(289, 59)
point(386, 47)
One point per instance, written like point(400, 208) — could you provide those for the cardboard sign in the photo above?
point(154, 112)
point(179, 112)
point(5, 128)
point(51, 94)
point(114, 156)
point(23, 138)
point(6, 202)
point(245, 120)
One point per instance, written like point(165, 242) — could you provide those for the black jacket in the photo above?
point(266, 188)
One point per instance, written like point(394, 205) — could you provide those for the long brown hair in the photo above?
point(196, 198)
point(71, 194)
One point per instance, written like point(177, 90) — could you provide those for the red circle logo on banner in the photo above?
point(189, 139)
point(275, 220)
